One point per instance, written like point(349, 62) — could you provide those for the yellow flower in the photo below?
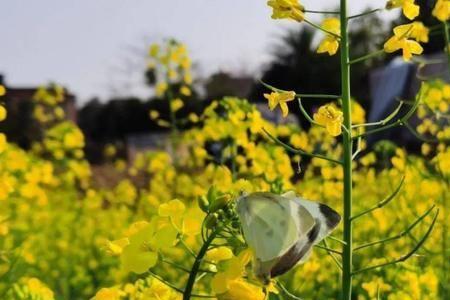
point(193, 118)
point(108, 294)
point(3, 113)
point(185, 91)
point(399, 160)
point(442, 10)
point(410, 10)
point(172, 74)
point(409, 47)
point(358, 113)
point(154, 114)
point(287, 9)
point(280, 98)
point(114, 248)
point(159, 291)
point(161, 88)
point(154, 50)
point(374, 286)
point(331, 118)
point(37, 289)
point(163, 123)
point(3, 142)
point(242, 290)
point(2, 90)
point(415, 30)
point(330, 43)
point(219, 254)
point(142, 252)
point(74, 139)
point(234, 269)
point(187, 77)
point(176, 104)
point(173, 208)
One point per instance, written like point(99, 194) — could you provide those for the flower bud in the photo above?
point(211, 221)
point(219, 203)
point(203, 203)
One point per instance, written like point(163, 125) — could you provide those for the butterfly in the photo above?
point(282, 229)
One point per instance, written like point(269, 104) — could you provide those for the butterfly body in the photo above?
point(281, 229)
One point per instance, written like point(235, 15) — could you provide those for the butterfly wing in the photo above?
point(326, 219)
point(301, 250)
point(272, 224)
point(324, 215)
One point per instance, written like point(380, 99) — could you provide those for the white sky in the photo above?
point(92, 46)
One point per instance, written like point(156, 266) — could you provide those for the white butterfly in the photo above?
point(281, 229)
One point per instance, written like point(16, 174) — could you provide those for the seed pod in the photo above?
point(211, 221)
point(235, 224)
point(212, 194)
point(228, 212)
point(203, 203)
point(219, 203)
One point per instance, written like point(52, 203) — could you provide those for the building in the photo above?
point(15, 95)
point(19, 126)
point(401, 81)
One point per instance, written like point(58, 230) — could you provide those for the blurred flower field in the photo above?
point(63, 235)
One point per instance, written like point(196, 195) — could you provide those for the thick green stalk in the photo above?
point(347, 159)
point(445, 289)
point(173, 126)
point(196, 266)
point(447, 41)
point(445, 250)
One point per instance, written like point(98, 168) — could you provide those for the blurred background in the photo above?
point(98, 49)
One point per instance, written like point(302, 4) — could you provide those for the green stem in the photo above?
point(233, 151)
point(369, 132)
point(335, 259)
point(398, 236)
point(322, 29)
point(175, 288)
point(381, 203)
point(447, 41)
point(384, 121)
point(305, 113)
point(365, 57)
point(406, 256)
point(173, 126)
point(327, 96)
point(328, 249)
point(365, 13)
point(445, 250)
point(196, 266)
point(321, 12)
point(299, 151)
point(347, 255)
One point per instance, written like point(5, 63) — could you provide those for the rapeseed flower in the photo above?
point(176, 104)
point(409, 47)
point(410, 10)
point(3, 113)
point(219, 254)
point(280, 98)
point(109, 294)
point(415, 30)
point(331, 118)
point(287, 9)
point(141, 253)
point(442, 10)
point(330, 43)
point(161, 88)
